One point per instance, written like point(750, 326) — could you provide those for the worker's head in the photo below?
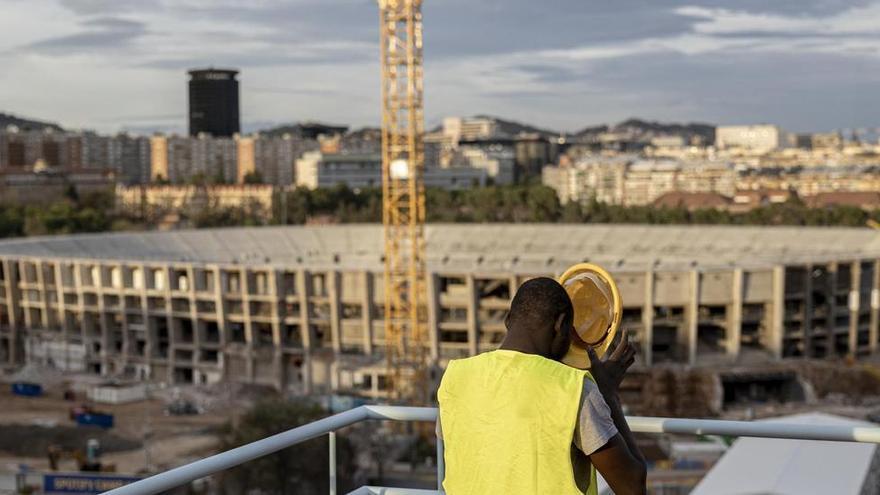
point(541, 316)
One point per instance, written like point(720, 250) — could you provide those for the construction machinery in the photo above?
point(403, 196)
point(85, 462)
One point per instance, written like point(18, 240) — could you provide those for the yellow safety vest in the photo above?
point(508, 421)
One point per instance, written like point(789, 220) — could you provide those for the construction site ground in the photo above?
point(174, 439)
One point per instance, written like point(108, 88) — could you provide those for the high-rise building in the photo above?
point(213, 102)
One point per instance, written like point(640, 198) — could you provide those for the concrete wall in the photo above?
point(322, 330)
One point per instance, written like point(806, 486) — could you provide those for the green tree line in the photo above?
point(95, 212)
point(69, 214)
point(538, 203)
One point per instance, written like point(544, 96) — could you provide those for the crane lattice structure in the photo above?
point(403, 196)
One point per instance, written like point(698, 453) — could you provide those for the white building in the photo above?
point(117, 393)
point(498, 160)
point(750, 138)
point(316, 169)
point(458, 129)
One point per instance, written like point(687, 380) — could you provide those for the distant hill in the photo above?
point(24, 124)
point(513, 128)
point(706, 131)
point(592, 130)
point(368, 133)
point(647, 129)
point(509, 127)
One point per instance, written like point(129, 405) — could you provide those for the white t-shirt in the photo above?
point(594, 428)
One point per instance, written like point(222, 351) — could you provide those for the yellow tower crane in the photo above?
point(403, 197)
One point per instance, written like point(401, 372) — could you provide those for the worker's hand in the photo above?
point(609, 373)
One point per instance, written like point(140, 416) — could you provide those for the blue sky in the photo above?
point(563, 64)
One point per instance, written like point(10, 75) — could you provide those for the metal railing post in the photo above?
point(441, 465)
point(332, 435)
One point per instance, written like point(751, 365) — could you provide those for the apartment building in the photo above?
point(630, 181)
point(316, 169)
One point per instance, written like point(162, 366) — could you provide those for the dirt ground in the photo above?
point(173, 440)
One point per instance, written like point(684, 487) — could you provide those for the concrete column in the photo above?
point(80, 308)
point(220, 312)
point(150, 346)
point(62, 313)
point(472, 328)
point(12, 305)
point(245, 284)
point(302, 289)
point(692, 315)
point(367, 310)
point(648, 320)
point(777, 328)
point(808, 312)
point(172, 343)
point(194, 321)
point(123, 309)
point(433, 300)
point(26, 315)
point(734, 315)
point(832, 308)
point(854, 306)
point(275, 291)
point(875, 308)
point(103, 317)
point(44, 300)
point(333, 293)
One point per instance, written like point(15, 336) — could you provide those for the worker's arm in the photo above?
point(623, 469)
point(620, 461)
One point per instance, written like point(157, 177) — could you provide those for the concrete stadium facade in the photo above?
point(300, 308)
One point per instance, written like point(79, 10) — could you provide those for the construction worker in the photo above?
point(517, 421)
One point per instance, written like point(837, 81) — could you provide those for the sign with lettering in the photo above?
point(83, 484)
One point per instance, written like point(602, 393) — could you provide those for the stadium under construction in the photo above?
point(300, 308)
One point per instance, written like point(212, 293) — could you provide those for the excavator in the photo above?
point(88, 462)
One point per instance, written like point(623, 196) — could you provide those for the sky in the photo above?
point(807, 65)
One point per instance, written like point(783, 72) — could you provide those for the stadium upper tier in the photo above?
point(522, 248)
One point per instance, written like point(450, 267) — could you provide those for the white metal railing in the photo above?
point(231, 458)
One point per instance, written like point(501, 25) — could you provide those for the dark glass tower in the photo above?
point(213, 102)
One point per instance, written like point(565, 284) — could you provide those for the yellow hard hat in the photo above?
point(597, 311)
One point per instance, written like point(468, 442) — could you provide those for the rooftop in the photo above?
point(789, 467)
point(523, 248)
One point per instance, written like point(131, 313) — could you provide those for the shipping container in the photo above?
point(27, 389)
point(95, 419)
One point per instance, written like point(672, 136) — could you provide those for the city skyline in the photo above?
point(807, 66)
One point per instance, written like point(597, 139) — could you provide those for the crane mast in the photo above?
point(403, 197)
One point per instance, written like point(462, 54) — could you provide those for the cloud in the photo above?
point(105, 33)
point(856, 21)
point(94, 7)
point(561, 63)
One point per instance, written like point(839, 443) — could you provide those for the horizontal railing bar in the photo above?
point(231, 458)
point(401, 413)
point(383, 490)
point(760, 429)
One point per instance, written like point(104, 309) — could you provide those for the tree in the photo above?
point(254, 177)
point(11, 221)
point(302, 469)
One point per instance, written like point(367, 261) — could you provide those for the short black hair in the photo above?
point(539, 301)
